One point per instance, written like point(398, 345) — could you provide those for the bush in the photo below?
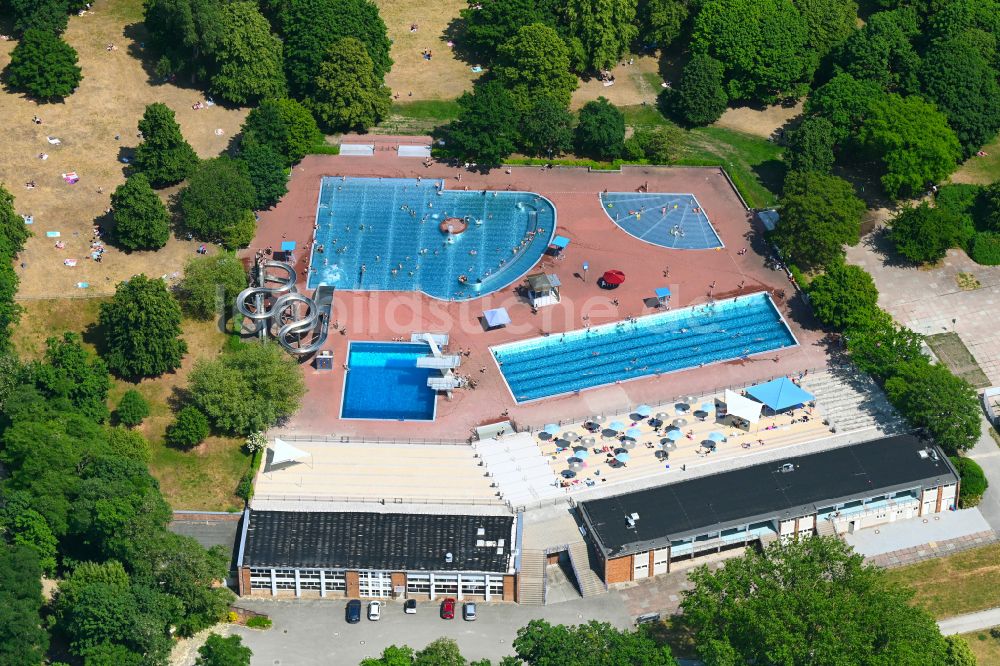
point(974, 482)
point(204, 278)
point(132, 408)
point(189, 429)
point(923, 234)
point(259, 622)
point(985, 248)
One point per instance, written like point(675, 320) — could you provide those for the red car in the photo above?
point(448, 609)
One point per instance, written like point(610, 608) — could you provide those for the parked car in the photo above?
point(374, 610)
point(410, 606)
point(469, 611)
point(353, 611)
point(448, 609)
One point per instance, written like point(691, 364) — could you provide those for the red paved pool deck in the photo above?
point(594, 239)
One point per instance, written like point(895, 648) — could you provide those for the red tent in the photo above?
point(614, 277)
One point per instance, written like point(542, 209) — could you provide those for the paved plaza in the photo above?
point(930, 300)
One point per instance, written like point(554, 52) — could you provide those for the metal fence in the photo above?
point(446, 501)
point(366, 439)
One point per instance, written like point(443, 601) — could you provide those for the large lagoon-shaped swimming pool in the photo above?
point(655, 344)
point(404, 234)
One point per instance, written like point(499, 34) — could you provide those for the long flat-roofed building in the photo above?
point(369, 554)
point(653, 531)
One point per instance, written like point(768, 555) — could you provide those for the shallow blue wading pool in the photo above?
point(654, 344)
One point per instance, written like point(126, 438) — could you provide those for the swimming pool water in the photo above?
point(676, 221)
point(655, 344)
point(384, 383)
point(382, 234)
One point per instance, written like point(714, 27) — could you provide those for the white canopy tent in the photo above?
point(744, 408)
point(283, 452)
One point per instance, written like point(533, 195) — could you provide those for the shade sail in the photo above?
point(779, 394)
point(497, 317)
point(744, 408)
point(283, 452)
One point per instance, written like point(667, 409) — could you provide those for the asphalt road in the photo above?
point(307, 632)
point(987, 454)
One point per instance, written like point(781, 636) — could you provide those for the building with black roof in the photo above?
point(369, 554)
point(652, 531)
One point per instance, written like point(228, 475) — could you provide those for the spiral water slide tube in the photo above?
point(276, 300)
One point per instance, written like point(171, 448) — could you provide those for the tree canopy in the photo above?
point(534, 63)
point(268, 175)
point(73, 373)
point(141, 220)
point(485, 130)
point(283, 125)
point(208, 280)
point(591, 644)
point(247, 59)
point(348, 95)
point(881, 51)
point(843, 296)
point(912, 141)
point(700, 98)
point(660, 21)
point(132, 408)
point(604, 28)
point(923, 234)
point(219, 651)
point(189, 429)
point(43, 66)
point(248, 389)
point(932, 398)
point(809, 601)
point(142, 327)
point(819, 215)
point(546, 129)
point(23, 641)
point(600, 132)
point(216, 205)
point(810, 146)
point(878, 345)
point(163, 156)
point(974, 482)
point(845, 101)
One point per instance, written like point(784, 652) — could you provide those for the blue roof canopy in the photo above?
point(497, 317)
point(779, 394)
point(287, 246)
point(663, 292)
point(560, 242)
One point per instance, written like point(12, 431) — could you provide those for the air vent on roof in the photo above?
point(786, 468)
point(923, 454)
point(499, 551)
point(448, 558)
point(480, 543)
point(630, 522)
point(501, 542)
point(481, 531)
point(634, 516)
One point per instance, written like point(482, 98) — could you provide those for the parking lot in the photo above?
point(309, 632)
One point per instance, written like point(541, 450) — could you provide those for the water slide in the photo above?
point(285, 305)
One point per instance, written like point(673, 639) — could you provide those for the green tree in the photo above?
point(546, 129)
point(391, 656)
point(347, 93)
point(268, 175)
point(534, 63)
point(829, 22)
point(962, 83)
point(23, 641)
point(878, 345)
point(605, 29)
point(209, 279)
point(141, 220)
point(989, 200)
point(248, 389)
point(163, 156)
point(310, 27)
point(660, 21)
point(184, 34)
point(809, 601)
point(932, 398)
point(913, 143)
point(923, 234)
point(70, 371)
point(700, 98)
point(882, 52)
point(283, 125)
point(845, 101)
point(974, 482)
point(843, 296)
point(600, 132)
point(219, 651)
point(810, 146)
point(142, 327)
point(485, 130)
point(216, 204)
point(13, 231)
point(591, 644)
point(128, 444)
point(440, 652)
point(43, 66)
point(189, 429)
point(762, 45)
point(132, 408)
point(21, 525)
point(658, 145)
point(489, 24)
point(248, 65)
point(819, 215)
point(51, 16)
point(959, 652)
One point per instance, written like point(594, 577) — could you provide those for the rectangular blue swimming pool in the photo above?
point(384, 383)
point(655, 344)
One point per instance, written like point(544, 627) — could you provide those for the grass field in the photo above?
point(204, 478)
point(985, 647)
point(960, 583)
point(981, 170)
point(950, 349)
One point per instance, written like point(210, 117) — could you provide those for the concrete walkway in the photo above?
point(961, 624)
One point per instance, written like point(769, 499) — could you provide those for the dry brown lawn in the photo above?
point(956, 584)
point(204, 478)
point(114, 92)
point(441, 77)
point(638, 83)
point(985, 647)
point(759, 122)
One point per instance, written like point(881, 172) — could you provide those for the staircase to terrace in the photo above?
point(852, 401)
